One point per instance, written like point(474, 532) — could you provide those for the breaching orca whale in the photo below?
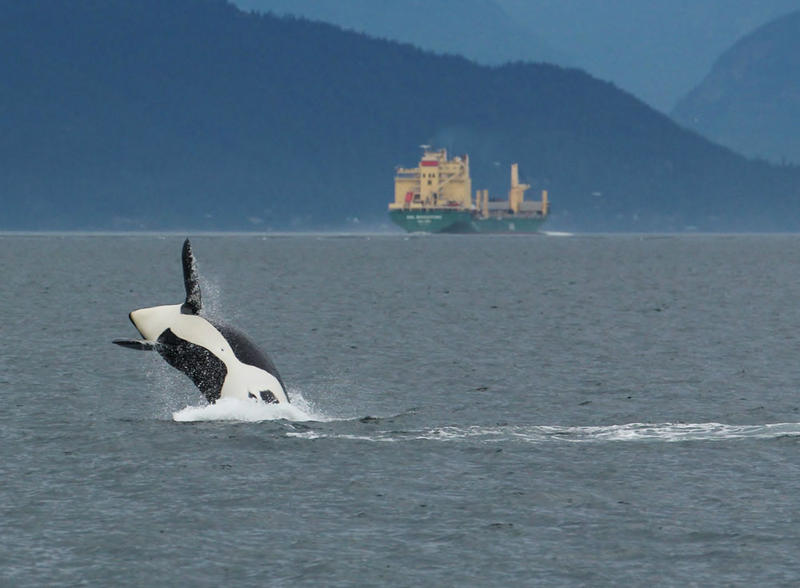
point(220, 360)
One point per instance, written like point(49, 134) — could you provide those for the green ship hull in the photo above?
point(462, 221)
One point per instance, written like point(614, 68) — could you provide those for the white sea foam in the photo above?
point(251, 411)
point(631, 432)
point(668, 432)
point(557, 234)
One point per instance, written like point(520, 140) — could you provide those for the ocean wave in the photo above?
point(631, 432)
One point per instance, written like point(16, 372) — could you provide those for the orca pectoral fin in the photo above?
point(193, 302)
point(138, 344)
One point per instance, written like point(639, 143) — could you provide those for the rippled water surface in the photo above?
point(571, 410)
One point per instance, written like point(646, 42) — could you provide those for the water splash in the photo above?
point(251, 411)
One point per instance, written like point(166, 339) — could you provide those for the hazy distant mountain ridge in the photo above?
point(191, 114)
point(657, 50)
point(477, 29)
point(750, 101)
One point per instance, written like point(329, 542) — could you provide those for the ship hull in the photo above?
point(432, 220)
point(462, 221)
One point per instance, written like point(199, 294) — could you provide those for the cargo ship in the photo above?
point(436, 197)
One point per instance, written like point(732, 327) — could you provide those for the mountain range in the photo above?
point(480, 30)
point(657, 50)
point(191, 114)
point(750, 101)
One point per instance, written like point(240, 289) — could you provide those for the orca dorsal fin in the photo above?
point(193, 303)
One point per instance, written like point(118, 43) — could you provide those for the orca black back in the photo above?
point(246, 351)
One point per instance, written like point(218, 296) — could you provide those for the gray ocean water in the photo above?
point(467, 411)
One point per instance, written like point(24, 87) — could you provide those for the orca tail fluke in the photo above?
point(193, 302)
